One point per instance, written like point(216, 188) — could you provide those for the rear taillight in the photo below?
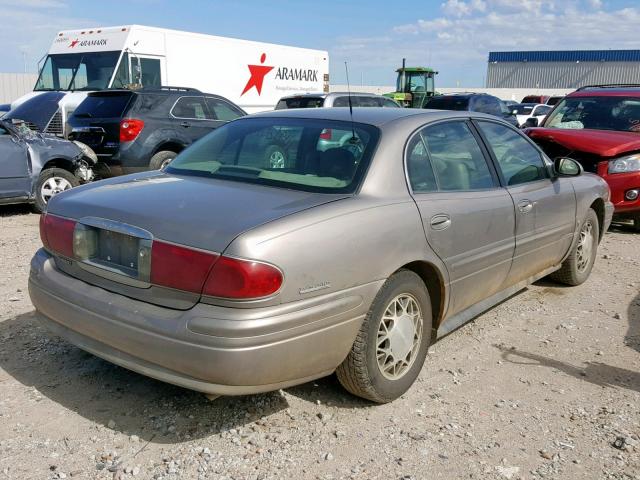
point(56, 234)
point(242, 279)
point(179, 267)
point(130, 128)
point(325, 134)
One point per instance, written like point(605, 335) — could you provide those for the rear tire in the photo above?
point(392, 343)
point(51, 182)
point(578, 265)
point(635, 222)
point(161, 159)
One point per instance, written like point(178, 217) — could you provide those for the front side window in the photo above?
point(302, 154)
point(454, 155)
point(598, 113)
point(518, 160)
point(77, 71)
point(191, 108)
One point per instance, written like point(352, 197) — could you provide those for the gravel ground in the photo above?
point(546, 385)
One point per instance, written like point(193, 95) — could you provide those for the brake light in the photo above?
point(179, 267)
point(325, 134)
point(242, 279)
point(56, 234)
point(130, 128)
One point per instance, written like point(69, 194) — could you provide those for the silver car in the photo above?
point(335, 99)
point(225, 275)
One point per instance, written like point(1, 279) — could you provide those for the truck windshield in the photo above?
point(597, 113)
point(77, 71)
point(322, 156)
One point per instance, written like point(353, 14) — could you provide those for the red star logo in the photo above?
point(74, 43)
point(258, 73)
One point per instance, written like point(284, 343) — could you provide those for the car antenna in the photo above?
point(353, 130)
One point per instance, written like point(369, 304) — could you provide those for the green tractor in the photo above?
point(415, 86)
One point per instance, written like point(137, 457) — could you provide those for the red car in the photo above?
point(600, 128)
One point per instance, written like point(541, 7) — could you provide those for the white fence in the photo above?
point(14, 85)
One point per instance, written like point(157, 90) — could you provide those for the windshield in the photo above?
point(300, 154)
point(598, 113)
point(449, 102)
point(77, 71)
point(300, 102)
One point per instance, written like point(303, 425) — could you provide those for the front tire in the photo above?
point(392, 343)
point(635, 222)
point(51, 182)
point(578, 265)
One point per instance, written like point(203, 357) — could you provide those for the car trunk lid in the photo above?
point(200, 213)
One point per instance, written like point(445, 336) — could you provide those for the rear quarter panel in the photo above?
point(340, 245)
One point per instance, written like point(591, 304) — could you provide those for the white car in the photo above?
point(525, 111)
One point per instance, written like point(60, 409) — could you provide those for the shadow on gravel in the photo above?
point(10, 210)
point(622, 227)
point(597, 373)
point(102, 392)
point(632, 338)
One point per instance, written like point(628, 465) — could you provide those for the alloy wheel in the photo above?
point(53, 186)
point(585, 246)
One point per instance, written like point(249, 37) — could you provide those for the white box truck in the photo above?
point(254, 75)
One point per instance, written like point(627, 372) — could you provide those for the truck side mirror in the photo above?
point(566, 167)
point(530, 122)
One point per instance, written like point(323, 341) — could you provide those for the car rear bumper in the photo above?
point(216, 350)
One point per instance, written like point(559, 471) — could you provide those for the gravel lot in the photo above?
point(542, 386)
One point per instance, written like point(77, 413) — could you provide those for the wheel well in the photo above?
point(59, 163)
point(169, 146)
point(598, 207)
point(435, 286)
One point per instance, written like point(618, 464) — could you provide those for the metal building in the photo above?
point(562, 69)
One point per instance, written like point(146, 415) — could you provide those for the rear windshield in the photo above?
point(521, 109)
point(598, 113)
point(446, 102)
point(102, 106)
point(533, 99)
point(300, 102)
point(301, 154)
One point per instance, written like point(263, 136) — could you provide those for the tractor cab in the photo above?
point(415, 85)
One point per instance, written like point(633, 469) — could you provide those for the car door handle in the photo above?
point(525, 206)
point(185, 124)
point(440, 221)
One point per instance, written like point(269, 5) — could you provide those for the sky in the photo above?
point(452, 36)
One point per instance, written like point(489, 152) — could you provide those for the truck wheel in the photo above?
point(51, 182)
point(577, 267)
point(392, 343)
point(161, 159)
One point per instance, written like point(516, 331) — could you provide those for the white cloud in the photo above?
point(458, 41)
point(29, 26)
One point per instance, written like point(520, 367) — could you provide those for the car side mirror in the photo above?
point(530, 122)
point(566, 167)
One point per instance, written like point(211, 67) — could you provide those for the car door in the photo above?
point(545, 207)
point(192, 117)
point(468, 219)
point(14, 166)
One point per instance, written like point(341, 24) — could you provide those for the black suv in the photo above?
point(136, 130)
point(473, 102)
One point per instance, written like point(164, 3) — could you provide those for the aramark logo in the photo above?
point(88, 43)
point(258, 72)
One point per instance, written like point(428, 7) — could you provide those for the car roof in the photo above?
point(376, 116)
point(607, 91)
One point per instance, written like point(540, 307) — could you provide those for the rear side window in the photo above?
point(191, 108)
point(300, 102)
point(222, 110)
point(451, 154)
point(519, 161)
point(302, 154)
point(103, 106)
point(388, 103)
